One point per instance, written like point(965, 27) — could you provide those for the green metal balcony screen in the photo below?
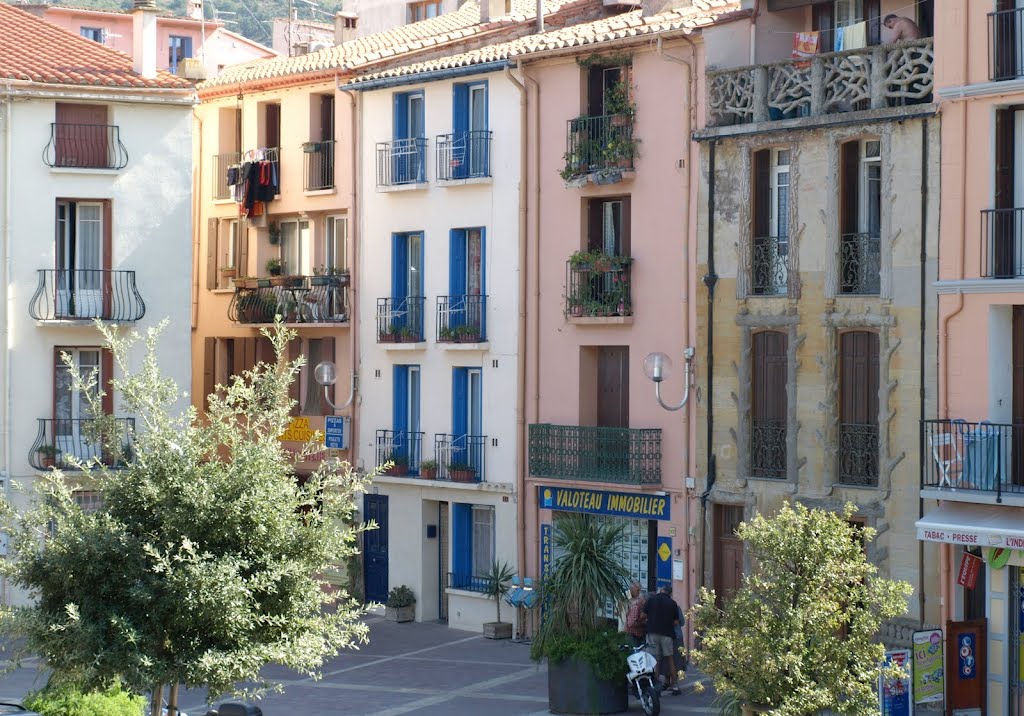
point(572, 452)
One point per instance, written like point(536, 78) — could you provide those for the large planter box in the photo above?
point(574, 689)
point(400, 614)
point(497, 630)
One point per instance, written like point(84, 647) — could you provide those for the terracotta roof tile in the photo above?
point(630, 24)
point(461, 23)
point(34, 50)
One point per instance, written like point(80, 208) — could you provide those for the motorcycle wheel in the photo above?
point(650, 700)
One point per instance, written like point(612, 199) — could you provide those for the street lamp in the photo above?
point(657, 367)
point(326, 374)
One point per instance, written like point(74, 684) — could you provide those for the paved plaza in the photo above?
point(416, 669)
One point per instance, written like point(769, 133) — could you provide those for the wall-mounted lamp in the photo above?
point(326, 374)
point(658, 366)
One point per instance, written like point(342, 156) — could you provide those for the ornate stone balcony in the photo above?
point(872, 78)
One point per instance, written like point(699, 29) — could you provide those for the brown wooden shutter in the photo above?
point(209, 370)
point(595, 91)
point(106, 260)
point(849, 188)
point(81, 135)
point(57, 364)
point(242, 249)
point(594, 237)
point(873, 17)
point(265, 351)
point(211, 254)
point(762, 193)
point(273, 128)
point(613, 386)
point(769, 377)
point(627, 228)
point(858, 378)
point(106, 375)
point(238, 364)
point(822, 22)
point(1005, 156)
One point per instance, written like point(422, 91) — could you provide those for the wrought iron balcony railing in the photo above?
point(297, 299)
point(1002, 243)
point(869, 78)
point(63, 442)
point(599, 288)
point(465, 155)
point(986, 457)
point(403, 449)
point(1006, 44)
point(85, 294)
point(858, 454)
point(769, 266)
point(221, 163)
point(468, 582)
point(85, 146)
point(575, 452)
point(460, 458)
point(402, 161)
point(461, 319)
point(860, 264)
point(318, 165)
point(599, 144)
point(768, 449)
point(400, 320)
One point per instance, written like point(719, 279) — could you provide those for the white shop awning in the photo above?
point(974, 525)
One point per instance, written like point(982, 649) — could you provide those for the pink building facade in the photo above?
point(974, 448)
point(178, 38)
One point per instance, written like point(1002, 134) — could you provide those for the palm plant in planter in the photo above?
point(585, 668)
point(401, 605)
point(499, 581)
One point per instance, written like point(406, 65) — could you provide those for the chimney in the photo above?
point(144, 14)
point(345, 26)
point(491, 10)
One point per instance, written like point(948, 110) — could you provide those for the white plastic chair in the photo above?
point(946, 453)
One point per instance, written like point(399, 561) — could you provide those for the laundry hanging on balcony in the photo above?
point(254, 181)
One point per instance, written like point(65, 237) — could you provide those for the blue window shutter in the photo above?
point(462, 543)
point(401, 115)
point(460, 377)
point(460, 128)
point(186, 47)
point(400, 418)
point(399, 265)
point(457, 263)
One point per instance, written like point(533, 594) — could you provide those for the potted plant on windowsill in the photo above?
point(461, 472)
point(428, 470)
point(401, 605)
point(584, 662)
point(47, 455)
point(228, 271)
point(467, 333)
point(499, 581)
point(273, 267)
point(399, 465)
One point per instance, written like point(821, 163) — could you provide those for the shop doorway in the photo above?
point(728, 552)
point(375, 548)
point(966, 667)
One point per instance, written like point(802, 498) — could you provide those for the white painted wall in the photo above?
point(151, 234)
point(435, 210)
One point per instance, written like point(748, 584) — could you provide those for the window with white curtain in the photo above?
point(295, 253)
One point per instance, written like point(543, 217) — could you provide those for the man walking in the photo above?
point(662, 614)
point(636, 620)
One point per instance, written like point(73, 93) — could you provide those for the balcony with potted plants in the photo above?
point(601, 148)
point(461, 321)
point(68, 443)
point(400, 322)
point(401, 449)
point(318, 299)
point(460, 458)
point(598, 288)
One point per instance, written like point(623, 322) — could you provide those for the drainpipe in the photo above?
point(710, 280)
point(921, 365)
point(753, 32)
point(521, 337)
point(197, 221)
point(354, 235)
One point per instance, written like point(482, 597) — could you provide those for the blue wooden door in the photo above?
point(375, 548)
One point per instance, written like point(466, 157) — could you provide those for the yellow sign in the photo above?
point(664, 552)
point(298, 430)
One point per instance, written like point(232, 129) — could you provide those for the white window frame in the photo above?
point(848, 12)
point(483, 528)
point(335, 245)
point(413, 399)
point(778, 215)
point(301, 254)
point(474, 403)
point(868, 164)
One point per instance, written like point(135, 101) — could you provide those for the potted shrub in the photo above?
point(428, 469)
point(273, 266)
point(274, 233)
point(618, 105)
point(228, 271)
point(293, 281)
point(401, 605)
point(47, 455)
point(399, 465)
point(585, 666)
point(499, 581)
point(461, 472)
point(467, 333)
point(446, 334)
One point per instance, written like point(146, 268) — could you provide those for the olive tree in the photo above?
point(800, 633)
point(205, 559)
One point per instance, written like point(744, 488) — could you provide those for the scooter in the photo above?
point(642, 680)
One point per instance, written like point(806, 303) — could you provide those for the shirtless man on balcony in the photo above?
point(901, 28)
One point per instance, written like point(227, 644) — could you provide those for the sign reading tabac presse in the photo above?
point(634, 505)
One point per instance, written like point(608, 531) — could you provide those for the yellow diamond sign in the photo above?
point(664, 552)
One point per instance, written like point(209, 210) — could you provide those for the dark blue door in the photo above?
point(375, 548)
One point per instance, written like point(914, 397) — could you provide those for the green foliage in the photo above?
point(499, 581)
point(70, 701)
point(584, 580)
point(204, 562)
point(778, 643)
point(400, 597)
